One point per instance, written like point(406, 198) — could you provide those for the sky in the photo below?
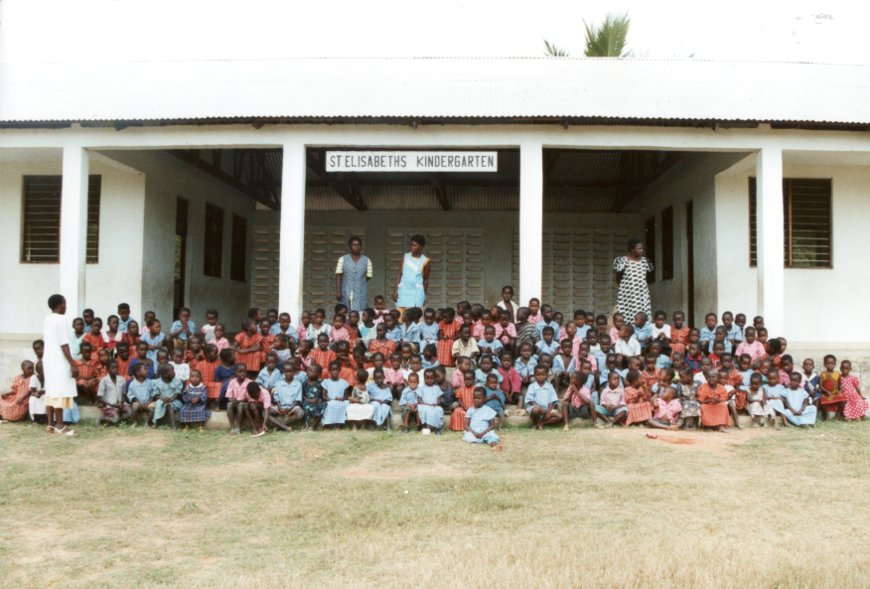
point(134, 30)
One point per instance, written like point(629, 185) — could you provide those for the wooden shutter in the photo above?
point(41, 226)
point(323, 247)
point(807, 223)
point(266, 266)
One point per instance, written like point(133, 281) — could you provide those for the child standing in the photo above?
point(512, 382)
point(690, 413)
point(360, 410)
point(429, 408)
point(463, 396)
point(335, 391)
point(194, 398)
point(237, 395)
point(757, 402)
point(313, 399)
point(714, 402)
point(637, 400)
point(381, 400)
point(408, 402)
point(247, 347)
point(856, 404)
point(833, 401)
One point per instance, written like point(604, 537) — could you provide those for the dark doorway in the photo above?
point(690, 262)
point(181, 208)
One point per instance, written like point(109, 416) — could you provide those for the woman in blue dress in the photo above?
point(352, 273)
point(412, 281)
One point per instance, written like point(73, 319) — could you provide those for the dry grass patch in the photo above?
point(136, 508)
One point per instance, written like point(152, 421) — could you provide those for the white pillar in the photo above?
point(74, 228)
point(292, 230)
point(770, 239)
point(531, 221)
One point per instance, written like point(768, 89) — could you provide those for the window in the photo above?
point(41, 231)
point(668, 243)
point(212, 254)
point(650, 247)
point(807, 223)
point(239, 252)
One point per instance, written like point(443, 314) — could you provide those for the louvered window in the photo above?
point(807, 223)
point(41, 231)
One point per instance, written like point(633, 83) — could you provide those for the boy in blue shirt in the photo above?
point(542, 402)
point(642, 330)
point(182, 329)
point(708, 332)
point(547, 345)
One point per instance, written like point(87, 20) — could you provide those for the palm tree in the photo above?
point(608, 40)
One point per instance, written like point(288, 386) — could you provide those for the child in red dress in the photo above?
point(856, 404)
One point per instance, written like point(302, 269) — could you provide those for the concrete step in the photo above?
point(219, 421)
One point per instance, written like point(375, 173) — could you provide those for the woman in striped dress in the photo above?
point(335, 390)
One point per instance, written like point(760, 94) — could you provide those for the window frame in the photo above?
point(92, 219)
point(788, 228)
point(668, 244)
point(649, 234)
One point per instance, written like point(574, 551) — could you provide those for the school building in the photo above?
point(228, 184)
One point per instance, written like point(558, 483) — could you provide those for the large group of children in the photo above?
point(474, 365)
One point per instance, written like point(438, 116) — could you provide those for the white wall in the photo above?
point(166, 179)
point(692, 179)
point(117, 277)
point(822, 306)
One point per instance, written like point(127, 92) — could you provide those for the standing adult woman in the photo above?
point(412, 281)
point(352, 274)
point(631, 273)
point(58, 366)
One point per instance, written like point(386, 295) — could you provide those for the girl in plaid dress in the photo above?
point(194, 397)
point(856, 404)
point(14, 404)
point(247, 347)
point(335, 391)
point(447, 330)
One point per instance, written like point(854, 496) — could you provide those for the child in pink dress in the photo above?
point(856, 404)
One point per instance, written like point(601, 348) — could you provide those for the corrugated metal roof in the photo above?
point(443, 88)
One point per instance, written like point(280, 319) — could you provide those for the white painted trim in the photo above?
point(73, 227)
point(531, 220)
point(292, 237)
point(769, 224)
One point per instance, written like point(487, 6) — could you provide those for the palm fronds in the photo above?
point(608, 40)
point(552, 50)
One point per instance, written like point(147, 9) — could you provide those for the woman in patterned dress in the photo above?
point(352, 273)
point(631, 272)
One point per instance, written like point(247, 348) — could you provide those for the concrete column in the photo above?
point(292, 230)
point(531, 221)
point(770, 239)
point(74, 228)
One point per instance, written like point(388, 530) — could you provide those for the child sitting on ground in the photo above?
point(479, 421)
point(668, 409)
point(88, 379)
point(287, 399)
point(612, 399)
point(194, 398)
point(687, 388)
point(579, 402)
point(757, 402)
point(495, 397)
point(313, 402)
point(256, 406)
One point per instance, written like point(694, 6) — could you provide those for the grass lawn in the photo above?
point(585, 508)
